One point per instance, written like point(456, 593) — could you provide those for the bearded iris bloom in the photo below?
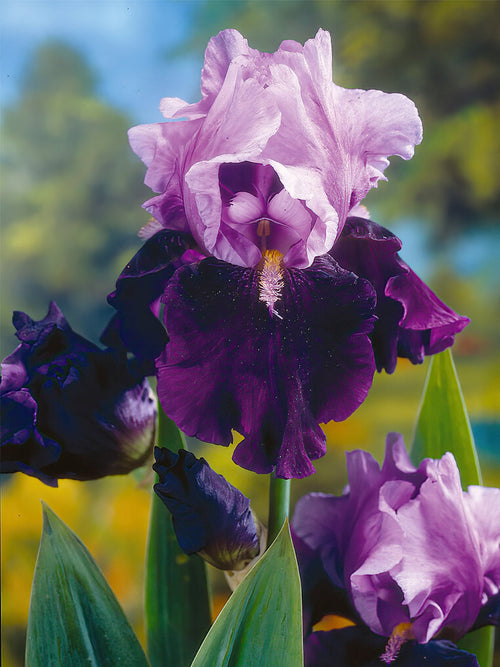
point(405, 554)
point(70, 409)
point(279, 301)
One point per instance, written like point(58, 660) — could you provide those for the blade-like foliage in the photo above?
point(74, 617)
point(442, 423)
point(261, 623)
point(443, 426)
point(177, 595)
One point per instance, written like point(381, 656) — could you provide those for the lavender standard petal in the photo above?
point(327, 146)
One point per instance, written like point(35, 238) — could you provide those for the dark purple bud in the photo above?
point(211, 517)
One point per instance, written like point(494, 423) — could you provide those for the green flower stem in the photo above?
point(279, 505)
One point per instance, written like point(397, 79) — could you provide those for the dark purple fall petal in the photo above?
point(70, 409)
point(359, 647)
point(211, 517)
point(412, 321)
point(138, 291)
point(231, 365)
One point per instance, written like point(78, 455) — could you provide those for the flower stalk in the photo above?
point(279, 505)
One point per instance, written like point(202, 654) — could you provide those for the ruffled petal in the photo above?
point(440, 573)
point(138, 291)
point(483, 505)
point(163, 147)
point(328, 145)
point(230, 364)
point(78, 411)
point(412, 321)
point(345, 135)
point(250, 117)
point(358, 647)
point(428, 325)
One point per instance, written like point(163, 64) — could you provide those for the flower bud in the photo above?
point(211, 517)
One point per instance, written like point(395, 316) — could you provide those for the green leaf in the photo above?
point(261, 624)
point(74, 617)
point(443, 426)
point(177, 595)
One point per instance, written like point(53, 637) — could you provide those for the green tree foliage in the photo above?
point(71, 195)
point(442, 54)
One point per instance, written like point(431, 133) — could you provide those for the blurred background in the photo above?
point(76, 75)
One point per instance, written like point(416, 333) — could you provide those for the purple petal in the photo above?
point(358, 647)
point(102, 415)
point(428, 326)
point(245, 207)
point(231, 364)
point(384, 541)
point(210, 516)
point(345, 135)
point(70, 409)
point(221, 50)
point(138, 291)
point(321, 521)
point(437, 571)
point(328, 145)
point(23, 449)
point(412, 321)
point(483, 505)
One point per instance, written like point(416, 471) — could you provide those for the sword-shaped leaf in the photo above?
point(74, 617)
point(261, 624)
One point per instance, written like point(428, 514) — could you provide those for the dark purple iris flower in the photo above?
point(404, 554)
point(211, 517)
point(278, 302)
point(70, 409)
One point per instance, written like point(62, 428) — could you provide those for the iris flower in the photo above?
point(279, 300)
point(70, 409)
point(411, 559)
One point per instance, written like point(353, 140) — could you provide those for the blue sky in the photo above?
point(126, 43)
